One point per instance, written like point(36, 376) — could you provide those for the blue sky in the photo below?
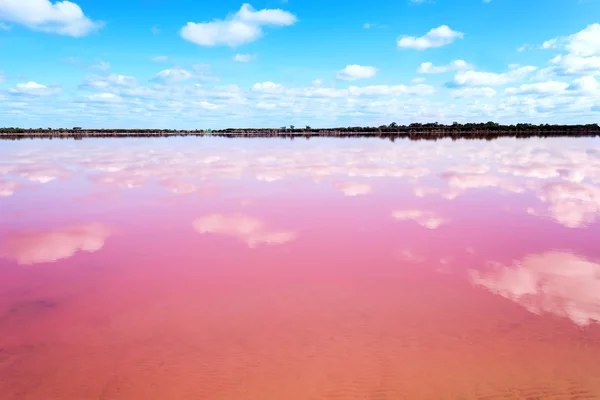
point(199, 64)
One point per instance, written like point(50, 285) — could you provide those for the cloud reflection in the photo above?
point(8, 188)
point(571, 204)
point(428, 219)
point(354, 188)
point(177, 186)
point(250, 229)
point(30, 247)
point(560, 283)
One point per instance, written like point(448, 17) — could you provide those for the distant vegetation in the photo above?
point(416, 131)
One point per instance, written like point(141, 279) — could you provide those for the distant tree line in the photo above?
point(415, 131)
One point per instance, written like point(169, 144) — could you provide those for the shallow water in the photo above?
point(203, 268)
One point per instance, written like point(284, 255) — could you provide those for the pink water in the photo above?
point(209, 269)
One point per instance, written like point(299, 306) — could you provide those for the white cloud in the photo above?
point(62, 17)
point(243, 27)
point(457, 65)
point(474, 92)
point(367, 26)
point(173, 75)
point(559, 283)
point(355, 72)
point(570, 64)
point(100, 66)
point(385, 90)
point(582, 52)
point(540, 88)
point(266, 106)
point(478, 78)
point(32, 89)
point(104, 98)
point(437, 37)
point(108, 82)
point(585, 84)
point(585, 43)
point(244, 57)
point(267, 87)
point(427, 219)
point(160, 58)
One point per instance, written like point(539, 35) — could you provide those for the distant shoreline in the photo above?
point(391, 132)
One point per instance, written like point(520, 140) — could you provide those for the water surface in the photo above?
point(205, 268)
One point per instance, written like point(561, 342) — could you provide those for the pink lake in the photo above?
point(271, 269)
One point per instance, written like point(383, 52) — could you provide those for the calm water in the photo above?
point(280, 270)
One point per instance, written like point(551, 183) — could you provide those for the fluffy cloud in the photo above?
point(173, 75)
point(267, 87)
point(385, 90)
point(102, 98)
point(559, 283)
point(32, 247)
point(62, 17)
point(582, 52)
point(427, 219)
point(474, 92)
point(429, 68)
point(479, 78)
point(244, 57)
point(570, 64)
point(251, 230)
point(540, 88)
point(243, 27)
point(95, 82)
point(354, 72)
point(100, 66)
point(585, 43)
point(437, 37)
point(32, 89)
point(585, 84)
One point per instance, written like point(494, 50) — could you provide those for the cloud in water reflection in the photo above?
point(31, 247)
point(250, 229)
point(428, 219)
point(8, 188)
point(574, 205)
point(560, 283)
point(354, 188)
